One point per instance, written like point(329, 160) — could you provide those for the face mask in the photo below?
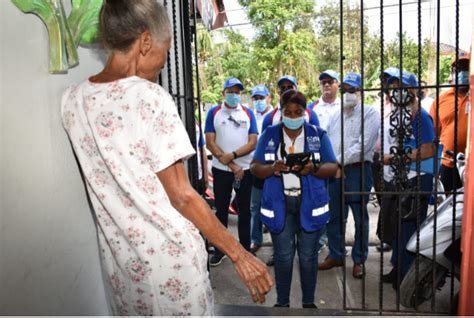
point(232, 99)
point(401, 97)
point(463, 77)
point(292, 123)
point(350, 99)
point(260, 105)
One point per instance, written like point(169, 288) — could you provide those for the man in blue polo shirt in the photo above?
point(329, 101)
point(231, 136)
point(285, 83)
point(261, 104)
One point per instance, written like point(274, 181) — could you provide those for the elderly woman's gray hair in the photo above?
point(122, 22)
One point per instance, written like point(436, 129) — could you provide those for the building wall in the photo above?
point(49, 263)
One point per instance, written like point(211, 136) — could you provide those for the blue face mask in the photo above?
point(260, 105)
point(463, 77)
point(232, 99)
point(292, 123)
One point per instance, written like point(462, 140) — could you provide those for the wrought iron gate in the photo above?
point(180, 82)
point(177, 76)
point(428, 274)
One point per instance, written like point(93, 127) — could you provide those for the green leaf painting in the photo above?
point(65, 34)
point(84, 20)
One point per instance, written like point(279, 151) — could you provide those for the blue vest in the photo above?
point(314, 210)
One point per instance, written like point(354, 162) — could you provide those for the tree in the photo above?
point(284, 41)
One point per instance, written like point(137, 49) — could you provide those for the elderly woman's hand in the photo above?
point(254, 274)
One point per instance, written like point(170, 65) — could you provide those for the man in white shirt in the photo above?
point(231, 136)
point(329, 101)
point(261, 106)
point(354, 151)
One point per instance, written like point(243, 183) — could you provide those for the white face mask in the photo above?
point(350, 99)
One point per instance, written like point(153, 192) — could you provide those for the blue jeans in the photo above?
point(409, 227)
point(255, 222)
point(293, 238)
point(352, 183)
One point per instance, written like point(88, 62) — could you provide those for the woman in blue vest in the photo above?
point(294, 199)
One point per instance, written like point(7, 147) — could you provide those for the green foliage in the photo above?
point(444, 69)
point(291, 37)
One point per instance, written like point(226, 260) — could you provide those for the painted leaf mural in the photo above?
point(84, 20)
point(65, 34)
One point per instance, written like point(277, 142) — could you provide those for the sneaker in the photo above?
point(310, 306)
point(216, 259)
point(284, 306)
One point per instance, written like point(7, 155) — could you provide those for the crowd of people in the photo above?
point(335, 138)
point(285, 164)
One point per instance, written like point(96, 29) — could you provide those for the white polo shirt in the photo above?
point(324, 111)
point(232, 127)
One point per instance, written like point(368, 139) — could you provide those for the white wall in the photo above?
point(49, 263)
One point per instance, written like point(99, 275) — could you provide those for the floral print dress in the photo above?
point(123, 133)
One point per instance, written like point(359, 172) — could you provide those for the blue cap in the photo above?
point(231, 82)
point(392, 71)
point(289, 78)
point(353, 79)
point(329, 73)
point(260, 90)
point(408, 79)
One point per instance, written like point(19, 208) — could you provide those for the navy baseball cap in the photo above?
point(353, 80)
point(329, 73)
point(408, 79)
point(260, 90)
point(231, 82)
point(289, 78)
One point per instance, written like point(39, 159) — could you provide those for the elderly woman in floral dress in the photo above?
point(130, 143)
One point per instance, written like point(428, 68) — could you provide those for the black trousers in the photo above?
point(223, 181)
point(449, 183)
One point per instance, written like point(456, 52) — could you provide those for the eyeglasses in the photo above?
point(232, 119)
point(328, 81)
point(351, 90)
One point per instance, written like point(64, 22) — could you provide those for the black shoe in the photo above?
point(385, 247)
point(396, 284)
point(216, 259)
point(310, 306)
point(390, 277)
point(284, 306)
point(271, 261)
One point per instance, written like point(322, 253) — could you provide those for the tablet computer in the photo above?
point(298, 159)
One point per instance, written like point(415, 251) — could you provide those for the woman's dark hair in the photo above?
point(293, 96)
point(122, 21)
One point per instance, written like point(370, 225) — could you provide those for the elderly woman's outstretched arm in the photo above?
point(187, 201)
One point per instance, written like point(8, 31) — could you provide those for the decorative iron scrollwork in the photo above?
point(400, 129)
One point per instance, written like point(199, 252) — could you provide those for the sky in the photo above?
point(237, 19)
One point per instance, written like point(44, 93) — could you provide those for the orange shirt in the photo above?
point(446, 122)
